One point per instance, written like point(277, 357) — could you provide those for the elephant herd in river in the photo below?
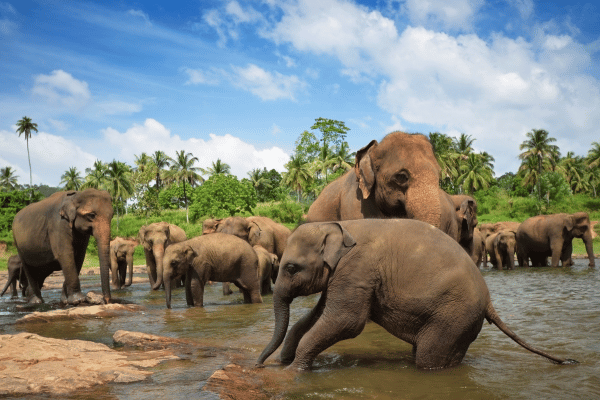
point(382, 243)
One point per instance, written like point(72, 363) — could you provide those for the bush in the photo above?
point(285, 211)
point(13, 202)
point(223, 196)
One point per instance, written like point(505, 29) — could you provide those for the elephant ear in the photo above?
point(253, 230)
point(569, 223)
point(364, 169)
point(68, 208)
point(336, 243)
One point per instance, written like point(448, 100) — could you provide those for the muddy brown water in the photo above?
point(557, 310)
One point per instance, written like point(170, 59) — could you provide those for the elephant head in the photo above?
point(401, 176)
point(237, 226)
point(210, 225)
point(307, 264)
point(505, 246)
point(578, 225)
point(177, 260)
point(466, 215)
point(155, 238)
point(90, 212)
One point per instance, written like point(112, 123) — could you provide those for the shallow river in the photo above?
point(557, 310)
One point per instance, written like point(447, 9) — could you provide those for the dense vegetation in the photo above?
point(159, 187)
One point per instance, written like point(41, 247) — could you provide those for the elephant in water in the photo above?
point(15, 274)
point(546, 236)
point(397, 178)
point(156, 238)
point(53, 235)
point(121, 261)
point(412, 279)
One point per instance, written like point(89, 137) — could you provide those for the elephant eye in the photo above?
point(401, 178)
point(90, 216)
point(292, 269)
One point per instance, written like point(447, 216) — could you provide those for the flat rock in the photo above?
point(33, 364)
point(147, 341)
point(104, 310)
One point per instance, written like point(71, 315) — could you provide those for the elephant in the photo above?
point(256, 230)
point(490, 228)
point(53, 234)
point(504, 246)
point(466, 220)
point(268, 265)
point(15, 273)
point(217, 257)
point(479, 255)
point(121, 261)
point(397, 178)
point(552, 236)
point(404, 275)
point(155, 238)
point(209, 225)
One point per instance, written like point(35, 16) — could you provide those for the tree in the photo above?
point(118, 184)
point(333, 132)
point(218, 167)
point(575, 172)
point(475, 174)
point(298, 174)
point(96, 176)
point(183, 171)
point(447, 159)
point(221, 196)
point(343, 159)
point(25, 126)
point(160, 161)
point(71, 179)
point(8, 179)
point(462, 144)
point(538, 147)
point(593, 157)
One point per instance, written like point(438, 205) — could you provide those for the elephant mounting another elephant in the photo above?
point(53, 235)
point(432, 296)
point(217, 257)
point(155, 238)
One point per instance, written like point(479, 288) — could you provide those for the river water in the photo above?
point(557, 310)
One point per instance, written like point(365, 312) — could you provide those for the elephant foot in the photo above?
point(74, 299)
point(35, 300)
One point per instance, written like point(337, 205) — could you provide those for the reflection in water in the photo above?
point(557, 310)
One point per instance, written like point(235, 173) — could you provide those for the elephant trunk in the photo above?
point(589, 247)
point(129, 270)
point(103, 240)
point(159, 251)
point(168, 291)
point(423, 204)
point(281, 307)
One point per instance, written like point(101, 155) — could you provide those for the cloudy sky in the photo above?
point(240, 80)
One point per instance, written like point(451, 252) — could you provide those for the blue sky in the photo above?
point(241, 80)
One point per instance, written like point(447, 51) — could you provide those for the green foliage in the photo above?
point(553, 187)
point(172, 197)
point(223, 196)
point(13, 202)
point(285, 211)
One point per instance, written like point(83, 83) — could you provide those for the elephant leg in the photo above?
point(194, 288)
point(441, 347)
point(70, 263)
point(556, 247)
point(34, 294)
point(331, 327)
point(226, 289)
point(122, 273)
point(150, 267)
point(293, 337)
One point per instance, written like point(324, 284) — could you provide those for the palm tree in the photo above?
point(324, 161)
point(476, 174)
point(72, 179)
point(25, 126)
point(446, 156)
point(573, 169)
point(539, 147)
point(462, 144)
point(8, 179)
point(96, 176)
point(343, 158)
point(218, 167)
point(160, 162)
point(298, 174)
point(257, 177)
point(118, 183)
point(183, 171)
point(593, 157)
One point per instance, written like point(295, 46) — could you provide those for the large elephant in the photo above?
point(413, 280)
point(155, 238)
point(268, 266)
point(15, 274)
point(121, 261)
point(397, 178)
point(218, 257)
point(53, 234)
point(552, 236)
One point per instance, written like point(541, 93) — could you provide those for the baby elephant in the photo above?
point(15, 273)
point(405, 275)
point(268, 266)
point(217, 257)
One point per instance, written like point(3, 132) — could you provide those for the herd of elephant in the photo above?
point(383, 243)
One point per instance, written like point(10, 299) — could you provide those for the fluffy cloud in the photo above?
point(450, 15)
point(60, 89)
point(153, 136)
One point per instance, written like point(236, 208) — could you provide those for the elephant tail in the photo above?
point(493, 318)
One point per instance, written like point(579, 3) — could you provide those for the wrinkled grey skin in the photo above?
point(405, 275)
point(504, 247)
point(53, 235)
point(268, 265)
point(552, 236)
point(15, 274)
point(156, 238)
point(466, 221)
point(121, 261)
point(217, 257)
point(479, 255)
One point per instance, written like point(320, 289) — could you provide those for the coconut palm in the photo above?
point(324, 161)
point(593, 157)
point(475, 173)
point(160, 161)
point(298, 174)
point(218, 167)
point(343, 159)
point(25, 126)
point(71, 179)
point(183, 171)
point(257, 178)
point(462, 144)
point(96, 176)
point(446, 156)
point(118, 182)
point(539, 148)
point(575, 172)
point(8, 179)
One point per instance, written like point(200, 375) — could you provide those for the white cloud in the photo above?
point(152, 136)
point(198, 76)
point(60, 89)
point(140, 14)
point(266, 85)
point(118, 108)
point(57, 124)
point(449, 15)
point(241, 15)
point(525, 7)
